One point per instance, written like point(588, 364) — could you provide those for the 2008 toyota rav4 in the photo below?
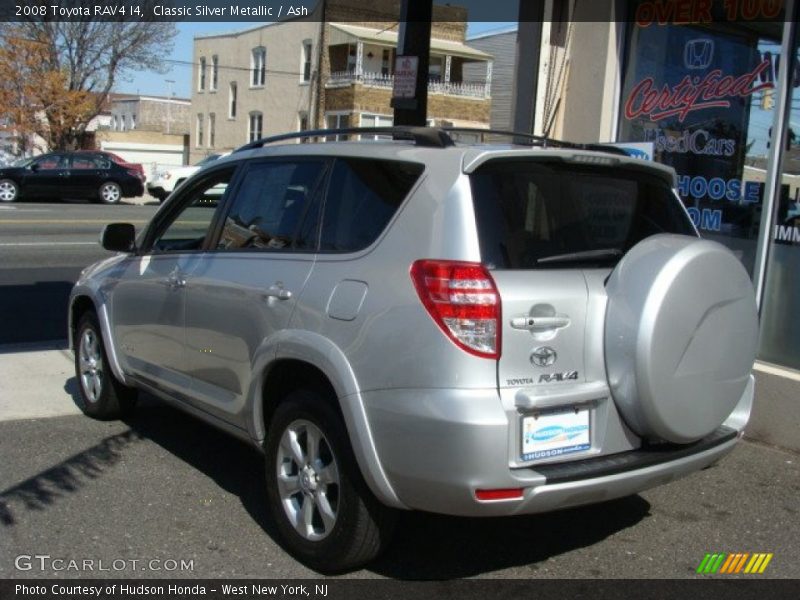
point(418, 324)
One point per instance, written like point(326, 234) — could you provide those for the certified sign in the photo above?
point(405, 77)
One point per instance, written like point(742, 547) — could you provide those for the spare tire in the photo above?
point(680, 337)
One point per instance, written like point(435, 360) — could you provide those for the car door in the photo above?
point(148, 302)
point(247, 287)
point(87, 172)
point(48, 176)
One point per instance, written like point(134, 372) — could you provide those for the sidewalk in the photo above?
point(38, 381)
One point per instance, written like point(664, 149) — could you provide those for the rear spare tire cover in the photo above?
point(680, 338)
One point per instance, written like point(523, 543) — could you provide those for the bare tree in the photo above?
point(91, 57)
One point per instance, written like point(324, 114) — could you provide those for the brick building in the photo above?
point(273, 78)
point(150, 113)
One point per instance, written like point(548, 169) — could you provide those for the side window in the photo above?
point(90, 162)
point(51, 161)
point(364, 194)
point(273, 207)
point(188, 228)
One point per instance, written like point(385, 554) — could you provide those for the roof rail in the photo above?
point(529, 139)
point(431, 137)
point(422, 136)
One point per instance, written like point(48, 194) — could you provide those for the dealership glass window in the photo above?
point(780, 327)
point(705, 97)
point(702, 96)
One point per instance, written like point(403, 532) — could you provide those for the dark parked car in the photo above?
point(138, 167)
point(69, 175)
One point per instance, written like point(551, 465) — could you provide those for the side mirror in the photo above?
point(118, 237)
point(34, 167)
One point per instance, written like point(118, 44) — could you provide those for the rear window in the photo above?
point(363, 196)
point(548, 214)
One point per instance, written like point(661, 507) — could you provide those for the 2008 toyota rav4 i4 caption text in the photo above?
point(413, 323)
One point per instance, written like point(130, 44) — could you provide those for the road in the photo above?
point(166, 487)
point(43, 248)
point(162, 486)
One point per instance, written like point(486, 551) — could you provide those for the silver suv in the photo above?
point(418, 324)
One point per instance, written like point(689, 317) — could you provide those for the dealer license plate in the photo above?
point(555, 433)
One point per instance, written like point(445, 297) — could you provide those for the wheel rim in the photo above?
point(91, 365)
point(308, 480)
point(109, 193)
point(8, 191)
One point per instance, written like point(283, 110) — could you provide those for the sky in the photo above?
point(179, 67)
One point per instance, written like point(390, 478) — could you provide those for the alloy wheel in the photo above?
point(110, 193)
point(91, 365)
point(8, 191)
point(308, 480)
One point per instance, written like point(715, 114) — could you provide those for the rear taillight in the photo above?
point(463, 301)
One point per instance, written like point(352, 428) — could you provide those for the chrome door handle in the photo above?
point(539, 323)
point(175, 281)
point(277, 291)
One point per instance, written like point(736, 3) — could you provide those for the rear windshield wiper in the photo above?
point(586, 255)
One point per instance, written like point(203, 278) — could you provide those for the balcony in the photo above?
point(481, 91)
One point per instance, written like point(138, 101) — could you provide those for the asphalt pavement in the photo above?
point(164, 487)
point(43, 248)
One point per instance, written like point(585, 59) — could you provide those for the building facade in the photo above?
point(713, 92)
point(301, 74)
point(501, 44)
point(150, 113)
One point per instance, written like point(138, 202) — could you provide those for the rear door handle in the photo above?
point(277, 291)
point(539, 323)
point(176, 281)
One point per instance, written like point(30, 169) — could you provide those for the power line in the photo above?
point(189, 63)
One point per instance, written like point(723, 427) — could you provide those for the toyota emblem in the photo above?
point(543, 356)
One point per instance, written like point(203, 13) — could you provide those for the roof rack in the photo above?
point(529, 139)
point(422, 136)
point(431, 137)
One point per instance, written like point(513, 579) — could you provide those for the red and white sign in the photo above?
point(692, 93)
point(405, 77)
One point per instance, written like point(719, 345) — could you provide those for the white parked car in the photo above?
point(164, 182)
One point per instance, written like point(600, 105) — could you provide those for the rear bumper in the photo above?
point(437, 447)
point(132, 189)
point(157, 191)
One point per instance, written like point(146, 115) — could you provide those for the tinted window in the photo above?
point(271, 206)
point(51, 161)
point(539, 214)
point(363, 195)
point(89, 161)
point(188, 227)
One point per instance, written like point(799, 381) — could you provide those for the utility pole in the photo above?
point(410, 93)
point(170, 82)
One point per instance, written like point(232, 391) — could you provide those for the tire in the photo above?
point(9, 190)
point(103, 396)
point(348, 525)
point(109, 193)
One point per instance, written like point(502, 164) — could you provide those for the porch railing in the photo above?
point(435, 85)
